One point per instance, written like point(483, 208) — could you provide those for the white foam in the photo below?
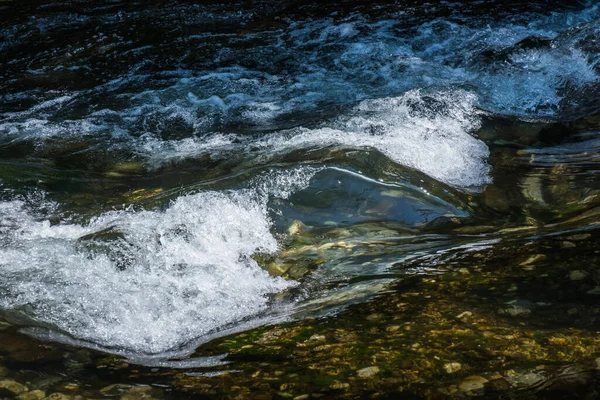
point(178, 274)
point(431, 133)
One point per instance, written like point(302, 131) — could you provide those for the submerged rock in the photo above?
point(367, 372)
point(452, 367)
point(33, 395)
point(11, 388)
point(138, 393)
point(577, 275)
point(472, 383)
point(59, 396)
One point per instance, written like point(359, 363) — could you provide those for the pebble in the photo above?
point(295, 228)
point(451, 389)
point(9, 388)
point(533, 259)
point(577, 275)
point(58, 396)
point(33, 395)
point(339, 386)
point(472, 383)
point(114, 389)
point(517, 311)
point(138, 393)
point(452, 367)
point(464, 315)
point(583, 236)
point(368, 372)
point(530, 379)
point(595, 290)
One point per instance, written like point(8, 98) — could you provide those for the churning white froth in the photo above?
point(140, 281)
point(431, 132)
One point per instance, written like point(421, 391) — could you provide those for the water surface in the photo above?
point(174, 173)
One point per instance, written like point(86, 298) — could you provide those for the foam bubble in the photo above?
point(283, 183)
point(142, 282)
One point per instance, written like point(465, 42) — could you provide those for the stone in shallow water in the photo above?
point(33, 395)
point(528, 379)
point(367, 372)
point(452, 367)
point(296, 227)
point(138, 393)
point(339, 386)
point(115, 389)
point(577, 275)
point(533, 259)
point(464, 315)
point(10, 388)
point(516, 310)
point(595, 290)
point(59, 396)
point(472, 383)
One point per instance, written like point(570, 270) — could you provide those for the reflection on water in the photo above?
point(207, 187)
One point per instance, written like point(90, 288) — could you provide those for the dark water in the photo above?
point(174, 173)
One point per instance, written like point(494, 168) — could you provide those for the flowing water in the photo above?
point(175, 173)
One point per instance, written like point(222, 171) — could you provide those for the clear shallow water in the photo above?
point(169, 174)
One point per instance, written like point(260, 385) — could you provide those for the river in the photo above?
point(191, 194)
